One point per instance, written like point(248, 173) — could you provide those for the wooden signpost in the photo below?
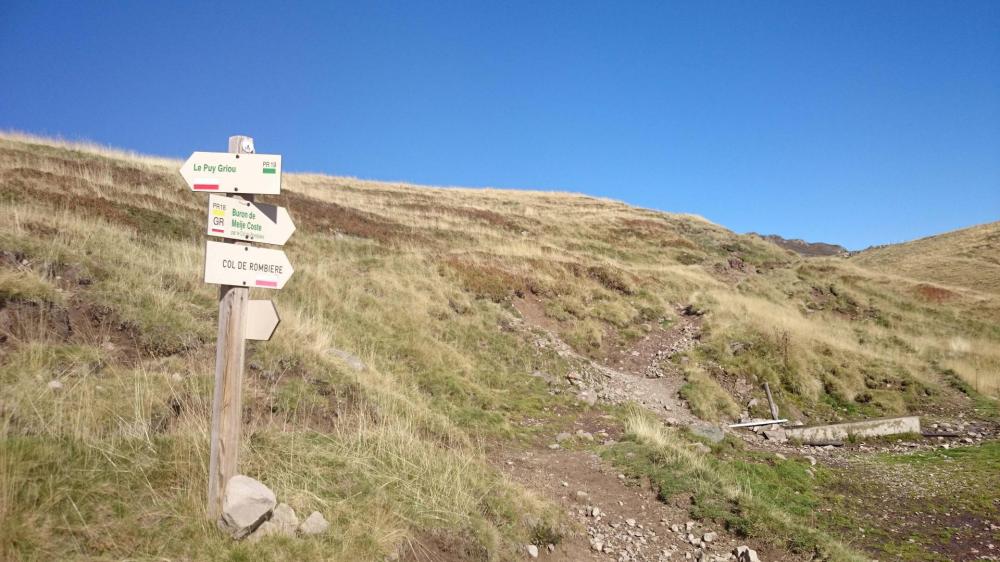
point(237, 267)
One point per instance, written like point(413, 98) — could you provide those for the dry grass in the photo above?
point(734, 484)
point(965, 259)
point(100, 289)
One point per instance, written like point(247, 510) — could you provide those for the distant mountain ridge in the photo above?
point(803, 248)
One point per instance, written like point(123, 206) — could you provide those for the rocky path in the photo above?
point(615, 518)
point(640, 373)
point(620, 519)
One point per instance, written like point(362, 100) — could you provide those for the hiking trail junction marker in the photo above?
point(237, 266)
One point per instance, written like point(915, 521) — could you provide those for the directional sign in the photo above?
point(224, 172)
point(262, 319)
point(234, 218)
point(246, 266)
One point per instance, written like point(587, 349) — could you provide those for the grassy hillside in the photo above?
point(963, 259)
point(101, 291)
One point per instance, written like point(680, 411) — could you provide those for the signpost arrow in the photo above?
point(246, 266)
point(238, 219)
point(262, 319)
point(224, 172)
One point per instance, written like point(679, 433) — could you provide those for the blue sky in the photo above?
point(850, 122)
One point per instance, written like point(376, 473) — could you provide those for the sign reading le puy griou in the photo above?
point(225, 172)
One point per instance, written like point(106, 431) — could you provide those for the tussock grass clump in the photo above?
point(707, 399)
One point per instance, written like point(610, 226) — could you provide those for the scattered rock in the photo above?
point(315, 524)
point(55, 385)
point(776, 435)
point(745, 554)
point(588, 397)
point(246, 504)
point(532, 551)
point(563, 437)
point(630, 522)
point(812, 460)
point(711, 432)
point(266, 529)
point(283, 522)
point(701, 447)
point(582, 496)
point(709, 537)
point(585, 435)
point(781, 457)
point(284, 518)
point(555, 446)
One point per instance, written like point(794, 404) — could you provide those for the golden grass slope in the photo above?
point(101, 290)
point(968, 258)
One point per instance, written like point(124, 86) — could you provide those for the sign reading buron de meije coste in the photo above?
point(238, 219)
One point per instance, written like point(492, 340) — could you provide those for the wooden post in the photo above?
point(770, 401)
point(227, 401)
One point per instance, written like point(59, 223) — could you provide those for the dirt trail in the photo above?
point(615, 518)
point(630, 522)
point(640, 373)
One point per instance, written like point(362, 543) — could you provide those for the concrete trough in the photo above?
point(866, 428)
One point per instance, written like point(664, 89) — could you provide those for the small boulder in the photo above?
point(532, 551)
point(55, 385)
point(285, 519)
point(811, 459)
point(315, 524)
point(246, 504)
point(711, 432)
point(701, 448)
point(563, 437)
point(776, 435)
point(266, 529)
point(745, 554)
point(283, 522)
point(709, 537)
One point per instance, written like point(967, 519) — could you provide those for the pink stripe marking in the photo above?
point(218, 230)
point(206, 186)
point(261, 283)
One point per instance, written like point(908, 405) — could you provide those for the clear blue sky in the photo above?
point(850, 122)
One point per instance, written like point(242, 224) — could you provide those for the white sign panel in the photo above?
point(237, 219)
point(262, 319)
point(246, 266)
point(226, 172)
